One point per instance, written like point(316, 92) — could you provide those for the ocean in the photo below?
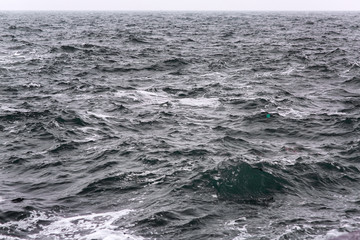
point(179, 125)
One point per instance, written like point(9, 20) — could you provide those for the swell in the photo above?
point(258, 183)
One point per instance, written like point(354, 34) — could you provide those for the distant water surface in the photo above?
point(179, 125)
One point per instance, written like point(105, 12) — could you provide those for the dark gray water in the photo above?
point(179, 125)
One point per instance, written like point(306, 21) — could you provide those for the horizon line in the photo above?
point(171, 10)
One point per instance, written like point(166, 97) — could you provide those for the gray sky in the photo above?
point(241, 5)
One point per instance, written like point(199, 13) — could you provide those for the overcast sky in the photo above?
point(237, 5)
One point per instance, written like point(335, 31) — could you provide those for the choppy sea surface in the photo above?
point(125, 125)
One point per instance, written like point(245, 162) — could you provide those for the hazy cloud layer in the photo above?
point(297, 5)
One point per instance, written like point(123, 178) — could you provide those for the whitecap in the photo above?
point(215, 75)
point(288, 72)
point(264, 75)
point(200, 102)
point(86, 227)
point(9, 238)
point(98, 115)
point(100, 226)
point(292, 113)
point(329, 235)
point(242, 233)
point(127, 95)
point(153, 97)
point(33, 85)
point(159, 98)
point(106, 234)
point(143, 96)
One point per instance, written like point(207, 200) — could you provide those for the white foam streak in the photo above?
point(2, 237)
point(290, 112)
point(145, 97)
point(99, 226)
point(329, 235)
point(200, 102)
point(89, 227)
point(288, 72)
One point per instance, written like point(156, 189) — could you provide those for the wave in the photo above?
point(120, 183)
point(263, 182)
point(25, 29)
point(68, 48)
point(137, 39)
point(163, 99)
point(354, 81)
point(238, 181)
point(23, 115)
point(68, 118)
point(321, 68)
point(169, 64)
point(60, 148)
